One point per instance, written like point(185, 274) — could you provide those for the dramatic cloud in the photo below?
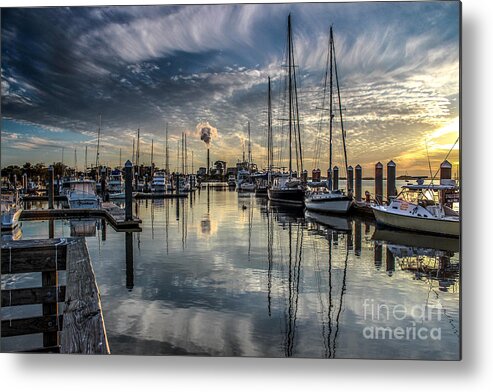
point(145, 66)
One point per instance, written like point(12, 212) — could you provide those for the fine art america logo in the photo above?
point(401, 322)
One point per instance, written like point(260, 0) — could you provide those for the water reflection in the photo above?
point(237, 275)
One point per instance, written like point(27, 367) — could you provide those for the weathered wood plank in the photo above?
point(35, 295)
point(27, 326)
point(33, 260)
point(84, 331)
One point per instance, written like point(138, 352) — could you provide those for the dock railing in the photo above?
point(79, 327)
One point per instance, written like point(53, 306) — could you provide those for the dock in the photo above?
point(155, 195)
point(79, 328)
point(110, 211)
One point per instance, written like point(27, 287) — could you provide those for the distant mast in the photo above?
point(249, 149)
point(167, 152)
point(99, 137)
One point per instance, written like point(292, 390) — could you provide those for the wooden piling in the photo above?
point(51, 187)
point(335, 178)
point(129, 260)
point(377, 255)
point(103, 183)
point(350, 180)
point(391, 189)
point(445, 171)
point(358, 184)
point(379, 183)
point(128, 190)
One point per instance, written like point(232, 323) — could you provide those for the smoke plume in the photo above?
point(206, 132)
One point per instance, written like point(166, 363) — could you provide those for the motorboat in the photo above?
point(420, 207)
point(330, 201)
point(116, 185)
point(158, 183)
point(82, 194)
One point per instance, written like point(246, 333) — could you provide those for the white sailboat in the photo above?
point(325, 198)
point(420, 207)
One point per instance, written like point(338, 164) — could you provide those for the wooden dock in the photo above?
point(80, 327)
point(163, 195)
point(110, 211)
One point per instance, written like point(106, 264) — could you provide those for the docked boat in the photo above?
point(287, 189)
point(335, 201)
point(419, 207)
point(116, 185)
point(325, 197)
point(231, 181)
point(10, 210)
point(158, 183)
point(82, 194)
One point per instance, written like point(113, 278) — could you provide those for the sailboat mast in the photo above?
point(249, 148)
point(186, 153)
point(167, 151)
point(85, 161)
point(133, 151)
point(290, 87)
point(120, 158)
point(183, 152)
point(75, 161)
point(152, 151)
point(137, 153)
point(270, 155)
point(99, 136)
point(331, 115)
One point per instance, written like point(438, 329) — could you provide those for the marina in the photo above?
point(294, 200)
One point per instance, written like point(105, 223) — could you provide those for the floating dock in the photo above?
point(79, 328)
point(110, 211)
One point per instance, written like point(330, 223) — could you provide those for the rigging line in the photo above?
point(445, 158)
point(340, 107)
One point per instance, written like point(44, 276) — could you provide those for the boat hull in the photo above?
point(288, 196)
point(333, 205)
point(10, 219)
point(426, 225)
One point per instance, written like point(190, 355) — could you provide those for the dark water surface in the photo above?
point(224, 274)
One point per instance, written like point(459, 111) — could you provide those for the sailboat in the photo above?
point(326, 199)
point(286, 187)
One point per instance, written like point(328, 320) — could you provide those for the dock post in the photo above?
point(128, 191)
point(391, 189)
point(335, 178)
point(51, 187)
point(177, 183)
point(357, 238)
point(359, 178)
point(350, 180)
point(15, 181)
point(103, 183)
point(445, 171)
point(129, 260)
point(24, 182)
point(379, 183)
point(377, 255)
point(389, 262)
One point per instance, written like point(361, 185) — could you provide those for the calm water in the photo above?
point(225, 274)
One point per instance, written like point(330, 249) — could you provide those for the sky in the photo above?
point(148, 66)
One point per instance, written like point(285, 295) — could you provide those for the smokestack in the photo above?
point(208, 165)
